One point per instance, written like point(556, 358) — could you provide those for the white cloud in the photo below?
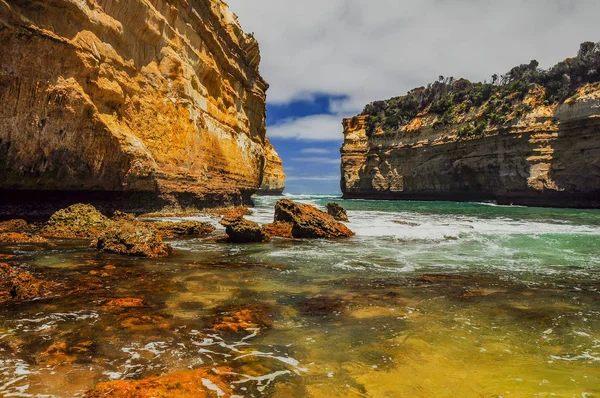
point(376, 49)
point(321, 160)
point(310, 128)
point(315, 151)
point(331, 177)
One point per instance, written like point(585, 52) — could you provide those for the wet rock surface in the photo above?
point(78, 221)
point(21, 238)
point(309, 222)
point(239, 318)
point(132, 239)
point(199, 383)
point(240, 230)
point(184, 229)
point(337, 211)
point(17, 284)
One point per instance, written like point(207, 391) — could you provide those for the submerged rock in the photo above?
point(132, 239)
point(239, 318)
point(337, 211)
point(18, 284)
point(309, 222)
point(14, 226)
point(240, 230)
point(198, 383)
point(185, 229)
point(124, 303)
point(77, 221)
point(22, 238)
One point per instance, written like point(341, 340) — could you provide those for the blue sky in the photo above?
point(325, 60)
point(312, 166)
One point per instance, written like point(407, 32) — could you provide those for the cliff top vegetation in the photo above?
point(498, 99)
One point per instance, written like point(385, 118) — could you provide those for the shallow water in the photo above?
point(428, 300)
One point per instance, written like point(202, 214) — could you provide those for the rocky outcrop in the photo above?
point(132, 105)
point(132, 239)
point(308, 222)
point(336, 211)
point(532, 140)
point(81, 221)
point(183, 229)
point(240, 230)
point(273, 182)
point(17, 225)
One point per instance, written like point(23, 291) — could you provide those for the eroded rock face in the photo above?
point(240, 230)
point(273, 182)
point(308, 221)
point(156, 100)
point(337, 211)
point(132, 239)
point(547, 156)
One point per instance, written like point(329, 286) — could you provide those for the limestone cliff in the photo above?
point(137, 103)
point(273, 182)
point(530, 138)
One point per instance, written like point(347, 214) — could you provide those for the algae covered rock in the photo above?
point(132, 239)
point(337, 211)
point(240, 230)
point(309, 222)
point(77, 221)
point(184, 229)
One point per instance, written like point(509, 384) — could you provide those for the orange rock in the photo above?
point(124, 303)
point(14, 226)
point(309, 222)
point(279, 229)
point(239, 318)
point(17, 284)
point(199, 383)
point(20, 238)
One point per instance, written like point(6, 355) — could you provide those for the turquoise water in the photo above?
point(428, 300)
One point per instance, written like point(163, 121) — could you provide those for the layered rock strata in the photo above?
point(523, 151)
point(134, 105)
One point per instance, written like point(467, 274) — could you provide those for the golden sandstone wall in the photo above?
point(113, 99)
point(549, 156)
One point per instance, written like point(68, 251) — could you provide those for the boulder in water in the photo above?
point(309, 222)
point(240, 230)
point(337, 211)
point(77, 221)
point(132, 239)
point(21, 238)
